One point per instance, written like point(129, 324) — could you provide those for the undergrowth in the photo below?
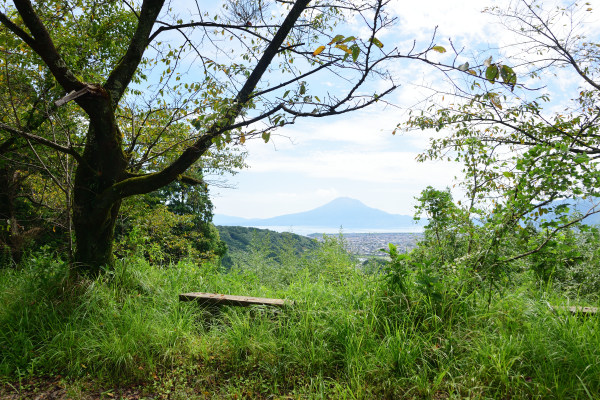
point(349, 333)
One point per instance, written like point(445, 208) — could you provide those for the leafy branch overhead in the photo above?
point(524, 163)
point(158, 88)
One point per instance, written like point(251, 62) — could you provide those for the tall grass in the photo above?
point(117, 326)
point(348, 334)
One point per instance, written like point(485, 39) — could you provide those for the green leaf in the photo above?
point(439, 49)
point(491, 73)
point(266, 136)
point(337, 38)
point(355, 52)
point(508, 75)
point(302, 89)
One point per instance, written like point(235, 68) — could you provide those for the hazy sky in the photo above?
point(316, 161)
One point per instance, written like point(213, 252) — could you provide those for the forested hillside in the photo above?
point(241, 242)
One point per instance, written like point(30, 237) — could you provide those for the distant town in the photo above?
point(370, 244)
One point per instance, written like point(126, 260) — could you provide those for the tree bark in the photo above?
point(103, 164)
point(94, 239)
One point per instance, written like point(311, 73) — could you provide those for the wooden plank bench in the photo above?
point(577, 310)
point(216, 299)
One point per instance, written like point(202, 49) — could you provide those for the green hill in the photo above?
point(243, 242)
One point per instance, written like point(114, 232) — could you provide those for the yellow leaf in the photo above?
point(496, 102)
point(376, 42)
point(344, 47)
point(337, 38)
point(318, 51)
point(439, 49)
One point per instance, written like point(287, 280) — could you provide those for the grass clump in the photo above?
point(116, 327)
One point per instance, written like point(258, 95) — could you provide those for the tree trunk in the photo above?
point(14, 238)
point(94, 240)
point(9, 227)
point(103, 164)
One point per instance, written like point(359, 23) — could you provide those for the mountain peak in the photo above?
point(346, 201)
point(342, 211)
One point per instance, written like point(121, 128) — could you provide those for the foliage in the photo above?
point(169, 225)
point(445, 230)
point(478, 252)
point(157, 90)
point(396, 271)
point(427, 325)
point(524, 166)
point(278, 259)
point(242, 242)
point(37, 179)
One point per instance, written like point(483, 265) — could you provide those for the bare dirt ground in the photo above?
point(55, 388)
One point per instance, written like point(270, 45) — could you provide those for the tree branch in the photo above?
point(42, 141)
point(550, 236)
point(151, 182)
point(43, 45)
point(189, 180)
point(16, 30)
point(244, 28)
point(121, 76)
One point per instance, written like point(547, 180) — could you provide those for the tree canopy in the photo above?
point(529, 152)
point(133, 94)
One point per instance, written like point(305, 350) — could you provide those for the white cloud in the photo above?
point(457, 18)
point(329, 193)
point(381, 172)
point(355, 155)
point(390, 167)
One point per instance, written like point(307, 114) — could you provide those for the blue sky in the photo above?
point(315, 161)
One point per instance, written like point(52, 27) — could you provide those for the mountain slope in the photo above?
point(240, 242)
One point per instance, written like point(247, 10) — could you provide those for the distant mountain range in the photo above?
point(353, 216)
point(581, 206)
point(341, 212)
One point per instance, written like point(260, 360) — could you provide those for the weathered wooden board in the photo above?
point(578, 309)
point(217, 299)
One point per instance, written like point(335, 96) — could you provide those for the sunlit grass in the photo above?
point(346, 336)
